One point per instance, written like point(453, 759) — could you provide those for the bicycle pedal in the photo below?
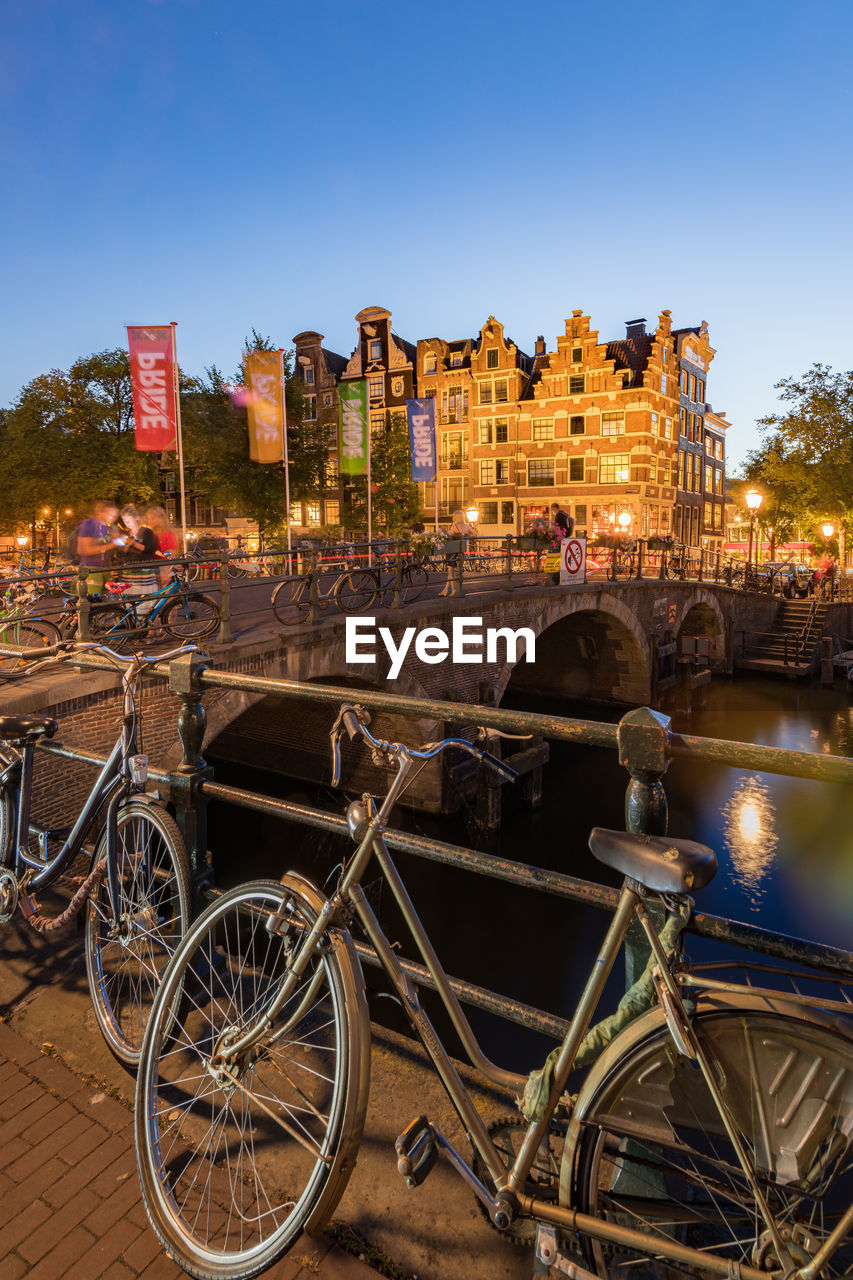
point(416, 1151)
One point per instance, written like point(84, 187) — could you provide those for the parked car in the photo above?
point(785, 577)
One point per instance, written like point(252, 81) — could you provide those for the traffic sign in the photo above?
point(573, 566)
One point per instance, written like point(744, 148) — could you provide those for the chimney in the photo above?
point(635, 328)
point(540, 345)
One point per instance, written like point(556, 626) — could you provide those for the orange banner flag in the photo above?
point(264, 376)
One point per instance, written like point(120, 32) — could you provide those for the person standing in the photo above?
point(167, 539)
point(141, 547)
point(565, 525)
point(95, 540)
point(460, 528)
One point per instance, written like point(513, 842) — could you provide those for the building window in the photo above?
point(665, 355)
point(653, 470)
point(485, 393)
point(454, 404)
point(700, 389)
point(614, 468)
point(374, 349)
point(709, 479)
point(692, 386)
point(667, 428)
point(485, 433)
point(501, 395)
point(654, 424)
point(576, 424)
point(429, 393)
point(580, 514)
point(492, 358)
point(709, 446)
point(576, 468)
point(540, 471)
point(684, 383)
point(682, 421)
point(377, 423)
point(309, 412)
point(454, 449)
point(501, 430)
point(331, 471)
point(577, 355)
point(397, 387)
point(454, 492)
point(487, 472)
point(502, 471)
point(719, 450)
point(613, 423)
point(455, 358)
point(577, 383)
point(663, 384)
point(543, 429)
point(718, 481)
point(507, 513)
point(308, 374)
point(327, 399)
point(376, 388)
point(312, 512)
point(333, 512)
point(488, 513)
point(430, 362)
point(429, 494)
point(296, 513)
point(663, 471)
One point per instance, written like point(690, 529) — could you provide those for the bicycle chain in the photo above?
point(523, 1231)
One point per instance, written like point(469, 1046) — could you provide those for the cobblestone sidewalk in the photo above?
point(70, 1207)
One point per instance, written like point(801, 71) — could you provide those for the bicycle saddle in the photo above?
point(26, 728)
point(660, 863)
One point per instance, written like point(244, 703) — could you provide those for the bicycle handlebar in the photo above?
point(354, 720)
point(66, 650)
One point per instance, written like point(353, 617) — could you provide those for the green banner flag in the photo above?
point(352, 428)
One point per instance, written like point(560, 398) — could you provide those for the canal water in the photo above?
point(785, 848)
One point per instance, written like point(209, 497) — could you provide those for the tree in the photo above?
point(395, 494)
point(781, 510)
point(813, 443)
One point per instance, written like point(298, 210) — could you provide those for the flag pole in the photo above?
point(180, 442)
point(284, 455)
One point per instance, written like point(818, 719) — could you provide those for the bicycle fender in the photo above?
point(647, 1025)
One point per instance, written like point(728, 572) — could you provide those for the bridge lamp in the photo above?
point(472, 514)
point(753, 500)
point(827, 530)
point(624, 519)
point(22, 540)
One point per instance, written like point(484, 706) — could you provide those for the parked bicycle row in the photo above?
point(707, 1131)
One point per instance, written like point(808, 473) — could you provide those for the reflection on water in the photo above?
point(749, 833)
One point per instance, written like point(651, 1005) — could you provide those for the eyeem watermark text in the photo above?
point(468, 642)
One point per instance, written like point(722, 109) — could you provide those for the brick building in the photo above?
point(320, 371)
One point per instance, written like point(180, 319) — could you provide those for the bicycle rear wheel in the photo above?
point(112, 626)
point(653, 1154)
point(129, 943)
point(290, 601)
point(239, 1153)
point(414, 583)
point(191, 617)
point(356, 591)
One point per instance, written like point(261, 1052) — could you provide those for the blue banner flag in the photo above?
point(421, 416)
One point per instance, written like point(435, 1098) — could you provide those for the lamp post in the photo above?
point(753, 500)
point(827, 530)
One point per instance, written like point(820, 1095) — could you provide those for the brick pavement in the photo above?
point(70, 1206)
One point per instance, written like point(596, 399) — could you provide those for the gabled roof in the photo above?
point(632, 354)
point(410, 348)
point(334, 363)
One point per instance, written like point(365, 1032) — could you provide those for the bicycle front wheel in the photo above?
point(29, 633)
point(191, 617)
point(414, 583)
point(290, 600)
point(238, 1153)
point(653, 1154)
point(356, 591)
point(128, 943)
point(113, 626)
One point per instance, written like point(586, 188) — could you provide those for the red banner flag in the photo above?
point(152, 377)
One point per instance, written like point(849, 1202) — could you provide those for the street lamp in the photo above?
point(472, 514)
point(753, 500)
point(624, 519)
point(827, 530)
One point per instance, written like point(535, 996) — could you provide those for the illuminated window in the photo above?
point(543, 429)
point(333, 512)
point(614, 468)
point(454, 449)
point(667, 428)
point(613, 424)
point(296, 513)
point(312, 510)
point(709, 479)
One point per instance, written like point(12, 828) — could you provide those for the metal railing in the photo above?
point(643, 738)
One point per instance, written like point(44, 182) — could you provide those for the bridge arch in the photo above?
point(587, 647)
point(702, 616)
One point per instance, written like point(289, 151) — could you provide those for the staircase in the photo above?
point(796, 630)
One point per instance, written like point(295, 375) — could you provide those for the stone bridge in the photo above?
point(600, 642)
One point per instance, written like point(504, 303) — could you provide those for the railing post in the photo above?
point(508, 579)
point(643, 737)
point(701, 577)
point(397, 595)
point(717, 566)
point(84, 608)
point(190, 803)
point(662, 571)
point(313, 589)
point(225, 635)
point(639, 572)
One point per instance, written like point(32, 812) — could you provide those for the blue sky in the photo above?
point(282, 166)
